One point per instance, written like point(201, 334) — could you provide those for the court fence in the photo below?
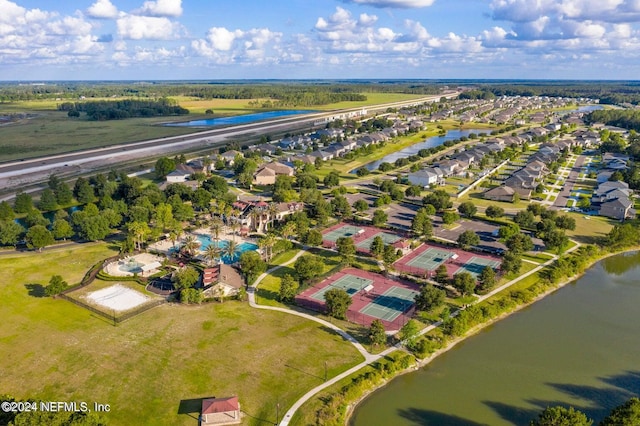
point(113, 317)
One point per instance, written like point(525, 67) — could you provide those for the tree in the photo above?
point(561, 416)
point(185, 277)
point(62, 230)
point(163, 167)
point(56, 286)
point(341, 207)
point(10, 232)
point(429, 297)
point(487, 278)
point(252, 265)
point(566, 222)
point(627, 414)
point(346, 248)
point(313, 237)
point(389, 255)
point(362, 171)
point(507, 231)
point(494, 211)
point(524, 219)
point(139, 231)
point(377, 333)
point(519, 243)
point(421, 224)
point(464, 283)
point(231, 249)
point(23, 203)
point(47, 201)
point(337, 302)
point(439, 199)
point(83, 191)
point(361, 205)
point(377, 247)
point(555, 240)
point(467, 239)
point(38, 237)
point(450, 217)
point(307, 267)
point(6, 212)
point(191, 296)
point(511, 263)
point(467, 209)
point(379, 217)
point(288, 289)
point(332, 179)
point(441, 275)
point(409, 332)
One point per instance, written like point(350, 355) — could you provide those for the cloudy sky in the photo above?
point(221, 39)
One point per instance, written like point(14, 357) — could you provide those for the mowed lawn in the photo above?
point(156, 367)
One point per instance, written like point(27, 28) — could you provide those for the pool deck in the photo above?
point(113, 269)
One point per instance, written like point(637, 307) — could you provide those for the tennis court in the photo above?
point(386, 238)
point(430, 259)
point(391, 304)
point(349, 283)
point(343, 231)
point(476, 264)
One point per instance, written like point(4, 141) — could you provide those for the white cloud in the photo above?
point(221, 38)
point(102, 9)
point(172, 8)
point(401, 4)
point(257, 45)
point(136, 27)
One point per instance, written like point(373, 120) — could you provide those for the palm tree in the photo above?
point(139, 232)
point(273, 211)
point(211, 253)
point(216, 227)
point(191, 244)
point(288, 230)
point(231, 249)
point(256, 219)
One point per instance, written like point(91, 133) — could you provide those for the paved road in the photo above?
point(563, 196)
point(17, 174)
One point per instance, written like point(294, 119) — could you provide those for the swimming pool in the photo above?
point(131, 267)
point(206, 241)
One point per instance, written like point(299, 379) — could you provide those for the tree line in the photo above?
point(122, 109)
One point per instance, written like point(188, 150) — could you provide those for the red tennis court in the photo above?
point(373, 296)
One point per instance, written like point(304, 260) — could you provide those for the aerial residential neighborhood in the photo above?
point(393, 225)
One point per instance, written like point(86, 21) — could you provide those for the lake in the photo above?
point(579, 346)
point(239, 119)
point(427, 143)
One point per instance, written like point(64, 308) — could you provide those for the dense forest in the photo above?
point(119, 110)
point(608, 92)
point(625, 118)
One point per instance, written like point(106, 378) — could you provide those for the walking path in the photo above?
point(252, 302)
point(368, 357)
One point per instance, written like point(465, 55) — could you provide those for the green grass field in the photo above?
point(155, 367)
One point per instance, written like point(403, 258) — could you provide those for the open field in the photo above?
point(157, 366)
point(52, 132)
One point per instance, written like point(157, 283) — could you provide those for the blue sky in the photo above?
point(289, 39)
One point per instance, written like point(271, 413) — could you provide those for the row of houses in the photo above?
point(613, 199)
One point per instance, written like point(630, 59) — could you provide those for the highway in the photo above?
point(17, 174)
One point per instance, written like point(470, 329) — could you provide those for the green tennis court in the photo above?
point(349, 283)
point(475, 265)
point(430, 259)
point(386, 238)
point(344, 231)
point(391, 304)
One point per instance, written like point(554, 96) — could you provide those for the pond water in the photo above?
point(239, 119)
point(427, 143)
point(579, 346)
